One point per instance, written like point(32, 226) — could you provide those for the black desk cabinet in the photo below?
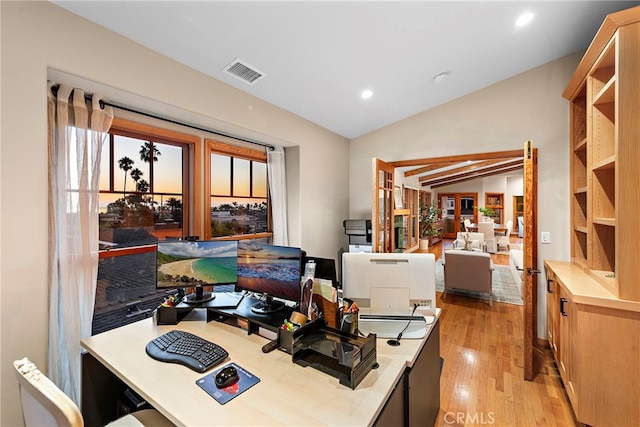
point(415, 400)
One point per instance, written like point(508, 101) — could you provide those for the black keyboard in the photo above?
point(186, 349)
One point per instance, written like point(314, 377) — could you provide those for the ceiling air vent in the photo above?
point(243, 71)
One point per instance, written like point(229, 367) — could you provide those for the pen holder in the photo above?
point(349, 322)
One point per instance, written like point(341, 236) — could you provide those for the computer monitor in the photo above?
point(271, 270)
point(185, 264)
point(389, 283)
point(325, 268)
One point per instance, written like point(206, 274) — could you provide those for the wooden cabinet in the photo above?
point(593, 302)
point(604, 94)
point(495, 201)
point(595, 340)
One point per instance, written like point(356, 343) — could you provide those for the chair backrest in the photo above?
point(486, 228)
point(509, 225)
point(467, 224)
point(43, 403)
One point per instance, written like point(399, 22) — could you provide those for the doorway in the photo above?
point(456, 207)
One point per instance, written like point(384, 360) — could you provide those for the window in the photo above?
point(151, 188)
point(237, 184)
point(145, 196)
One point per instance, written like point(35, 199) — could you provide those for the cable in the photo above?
point(396, 342)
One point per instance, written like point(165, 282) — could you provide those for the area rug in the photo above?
point(504, 287)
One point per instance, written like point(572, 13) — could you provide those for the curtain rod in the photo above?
point(102, 104)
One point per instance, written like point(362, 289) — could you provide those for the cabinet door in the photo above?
point(566, 312)
point(552, 312)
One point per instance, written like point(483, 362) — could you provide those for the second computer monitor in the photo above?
point(270, 270)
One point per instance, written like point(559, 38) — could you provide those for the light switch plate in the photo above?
point(545, 237)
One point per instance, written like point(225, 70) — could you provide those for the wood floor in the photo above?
point(482, 377)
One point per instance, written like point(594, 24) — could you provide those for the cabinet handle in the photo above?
point(562, 302)
point(549, 281)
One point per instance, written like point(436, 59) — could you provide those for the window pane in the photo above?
point(220, 175)
point(129, 148)
point(167, 171)
point(259, 179)
point(241, 177)
point(232, 216)
point(139, 216)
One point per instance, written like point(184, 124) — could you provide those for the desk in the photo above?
point(498, 228)
point(288, 394)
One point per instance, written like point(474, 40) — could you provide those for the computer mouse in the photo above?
point(226, 377)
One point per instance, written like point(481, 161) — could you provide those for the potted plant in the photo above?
point(487, 213)
point(429, 215)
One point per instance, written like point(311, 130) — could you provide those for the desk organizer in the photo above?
point(344, 356)
point(170, 315)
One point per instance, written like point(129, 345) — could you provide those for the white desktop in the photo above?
point(395, 292)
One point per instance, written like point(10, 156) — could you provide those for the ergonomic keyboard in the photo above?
point(186, 349)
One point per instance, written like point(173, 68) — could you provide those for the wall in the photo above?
point(40, 39)
point(500, 117)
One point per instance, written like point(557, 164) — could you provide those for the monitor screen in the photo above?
point(389, 283)
point(325, 268)
point(185, 264)
point(270, 270)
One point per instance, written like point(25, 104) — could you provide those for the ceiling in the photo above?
point(317, 57)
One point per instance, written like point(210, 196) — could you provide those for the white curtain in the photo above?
point(77, 132)
point(278, 190)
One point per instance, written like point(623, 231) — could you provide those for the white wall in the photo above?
point(500, 117)
point(40, 39)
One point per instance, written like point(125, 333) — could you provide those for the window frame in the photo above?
point(191, 204)
point(217, 147)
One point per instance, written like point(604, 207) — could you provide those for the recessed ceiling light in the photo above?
point(366, 94)
point(524, 19)
point(440, 77)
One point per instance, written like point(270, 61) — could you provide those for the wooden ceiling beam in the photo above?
point(459, 158)
point(428, 168)
point(465, 168)
point(460, 178)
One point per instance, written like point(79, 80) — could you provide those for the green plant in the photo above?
point(429, 214)
point(486, 211)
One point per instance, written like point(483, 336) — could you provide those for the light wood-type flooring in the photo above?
point(482, 377)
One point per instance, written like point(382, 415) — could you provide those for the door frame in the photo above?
point(530, 252)
point(456, 210)
point(530, 260)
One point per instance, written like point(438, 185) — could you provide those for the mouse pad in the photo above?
point(223, 395)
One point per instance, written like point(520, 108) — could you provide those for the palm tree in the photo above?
point(136, 174)
point(142, 186)
point(125, 164)
point(174, 204)
point(149, 152)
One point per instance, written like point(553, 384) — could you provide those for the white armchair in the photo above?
point(486, 228)
point(503, 238)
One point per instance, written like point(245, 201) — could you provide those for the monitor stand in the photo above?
point(199, 296)
point(268, 306)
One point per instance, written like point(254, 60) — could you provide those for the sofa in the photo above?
point(469, 271)
point(516, 264)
